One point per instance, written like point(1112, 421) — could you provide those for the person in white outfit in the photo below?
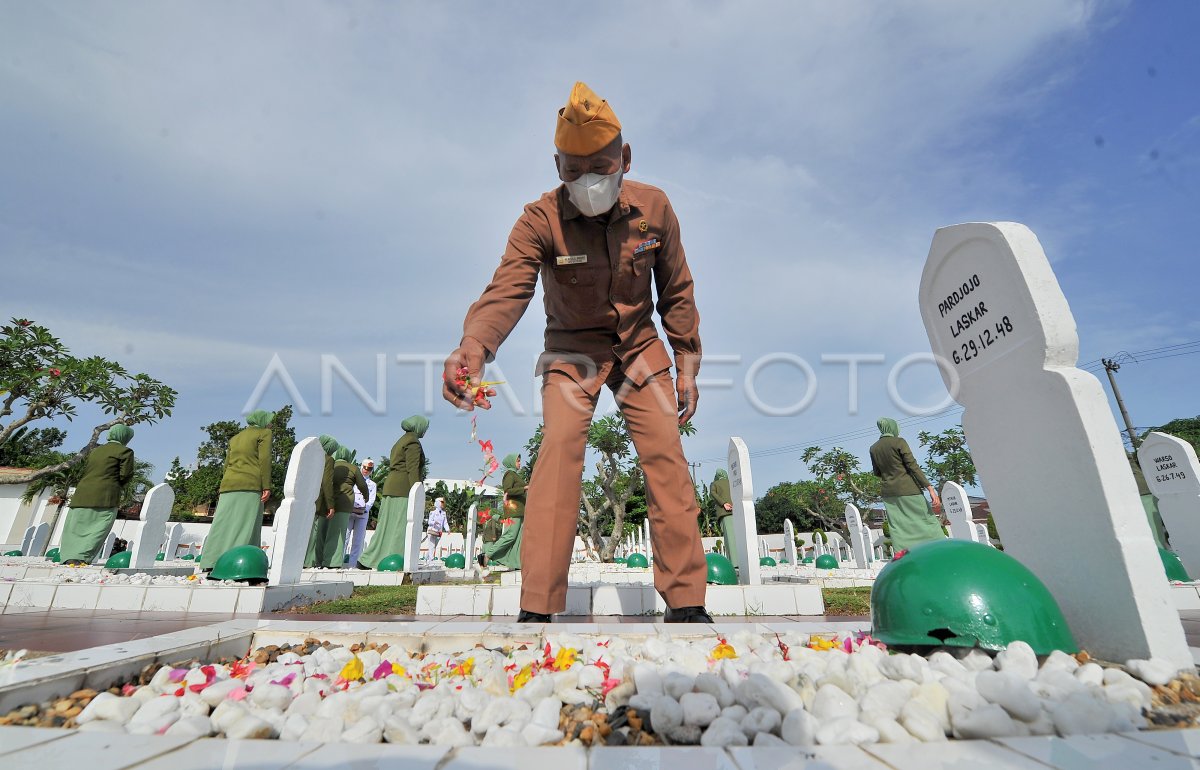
point(356, 533)
point(435, 526)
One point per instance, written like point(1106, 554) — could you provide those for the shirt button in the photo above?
point(574, 279)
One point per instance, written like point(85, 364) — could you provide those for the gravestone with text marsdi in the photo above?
point(957, 508)
point(1044, 440)
point(1173, 474)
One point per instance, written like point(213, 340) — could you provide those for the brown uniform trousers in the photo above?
point(552, 509)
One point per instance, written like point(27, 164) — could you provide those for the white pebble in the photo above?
point(833, 703)
point(890, 731)
point(761, 690)
point(398, 730)
point(1155, 671)
point(1081, 713)
point(546, 713)
point(716, 687)
point(536, 735)
point(737, 712)
point(250, 727)
point(934, 696)
point(921, 723)
point(723, 732)
point(846, 730)
point(1058, 658)
point(1090, 674)
point(503, 737)
point(191, 727)
point(767, 740)
point(682, 735)
point(887, 697)
point(1018, 658)
point(294, 726)
point(699, 708)
point(153, 711)
point(799, 728)
point(761, 720)
point(323, 730)
point(219, 691)
point(976, 659)
point(987, 721)
point(647, 680)
point(108, 707)
point(448, 731)
point(643, 703)
point(271, 696)
point(362, 731)
point(102, 726)
point(947, 664)
point(665, 713)
point(1011, 692)
point(903, 666)
point(675, 685)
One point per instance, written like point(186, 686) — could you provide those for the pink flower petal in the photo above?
point(177, 674)
point(238, 694)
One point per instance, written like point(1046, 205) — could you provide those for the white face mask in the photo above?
point(595, 194)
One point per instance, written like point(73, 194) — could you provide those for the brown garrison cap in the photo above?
point(587, 124)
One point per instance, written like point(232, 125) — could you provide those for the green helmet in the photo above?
point(456, 561)
point(964, 594)
point(160, 556)
point(826, 561)
point(807, 560)
point(188, 557)
point(619, 560)
point(637, 561)
point(767, 561)
point(119, 560)
point(1173, 566)
point(720, 570)
point(784, 560)
point(53, 555)
point(13, 553)
point(393, 563)
point(245, 563)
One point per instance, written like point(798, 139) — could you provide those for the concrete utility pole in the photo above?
point(1111, 366)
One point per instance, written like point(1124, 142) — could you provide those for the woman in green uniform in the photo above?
point(325, 503)
point(911, 518)
point(326, 547)
point(245, 487)
point(405, 464)
point(106, 470)
point(719, 490)
point(507, 549)
point(491, 533)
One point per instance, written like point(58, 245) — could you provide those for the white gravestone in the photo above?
point(789, 542)
point(1044, 439)
point(864, 534)
point(27, 540)
point(982, 536)
point(156, 509)
point(414, 531)
point(649, 545)
point(469, 540)
point(745, 525)
point(174, 535)
point(1173, 475)
point(957, 507)
point(41, 538)
point(106, 550)
point(294, 518)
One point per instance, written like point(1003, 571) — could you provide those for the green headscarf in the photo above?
point(721, 474)
point(510, 461)
point(343, 453)
point(120, 433)
point(328, 443)
point(417, 424)
point(888, 426)
point(260, 418)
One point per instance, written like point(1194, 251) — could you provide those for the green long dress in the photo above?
point(404, 469)
point(911, 520)
point(325, 501)
point(719, 490)
point(507, 548)
point(106, 470)
point(326, 547)
point(238, 519)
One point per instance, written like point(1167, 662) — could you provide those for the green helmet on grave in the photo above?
point(160, 556)
point(119, 560)
point(826, 561)
point(13, 553)
point(188, 557)
point(619, 560)
point(53, 555)
point(807, 560)
point(456, 561)
point(1173, 566)
point(959, 593)
point(767, 561)
point(784, 560)
point(245, 563)
point(637, 561)
point(720, 570)
point(392, 563)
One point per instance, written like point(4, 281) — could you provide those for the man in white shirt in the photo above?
point(356, 533)
point(435, 526)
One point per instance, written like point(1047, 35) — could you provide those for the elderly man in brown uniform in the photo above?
point(598, 241)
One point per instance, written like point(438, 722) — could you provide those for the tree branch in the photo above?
point(73, 460)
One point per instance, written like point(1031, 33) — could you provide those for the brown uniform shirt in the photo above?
point(596, 274)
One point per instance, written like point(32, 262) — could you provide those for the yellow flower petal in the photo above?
point(352, 670)
point(724, 650)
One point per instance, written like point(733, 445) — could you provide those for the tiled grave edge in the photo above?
point(166, 598)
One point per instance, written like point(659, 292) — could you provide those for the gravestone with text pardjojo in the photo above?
point(1043, 439)
point(745, 525)
point(858, 546)
point(1173, 475)
point(957, 508)
point(294, 517)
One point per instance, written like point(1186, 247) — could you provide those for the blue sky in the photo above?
point(194, 188)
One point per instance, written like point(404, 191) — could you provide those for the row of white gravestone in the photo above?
point(1044, 440)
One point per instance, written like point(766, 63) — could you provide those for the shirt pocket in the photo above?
point(643, 268)
point(574, 276)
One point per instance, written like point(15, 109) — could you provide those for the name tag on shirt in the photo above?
point(571, 259)
point(645, 246)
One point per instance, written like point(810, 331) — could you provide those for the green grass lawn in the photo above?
point(402, 600)
point(847, 601)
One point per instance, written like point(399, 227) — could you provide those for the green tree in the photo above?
point(1186, 428)
point(458, 503)
point(809, 504)
point(32, 447)
point(41, 380)
point(947, 457)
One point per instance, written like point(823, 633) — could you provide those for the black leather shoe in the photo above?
point(482, 560)
point(360, 565)
point(74, 563)
point(532, 617)
point(687, 615)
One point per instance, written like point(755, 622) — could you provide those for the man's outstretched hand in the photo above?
point(469, 355)
point(689, 395)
